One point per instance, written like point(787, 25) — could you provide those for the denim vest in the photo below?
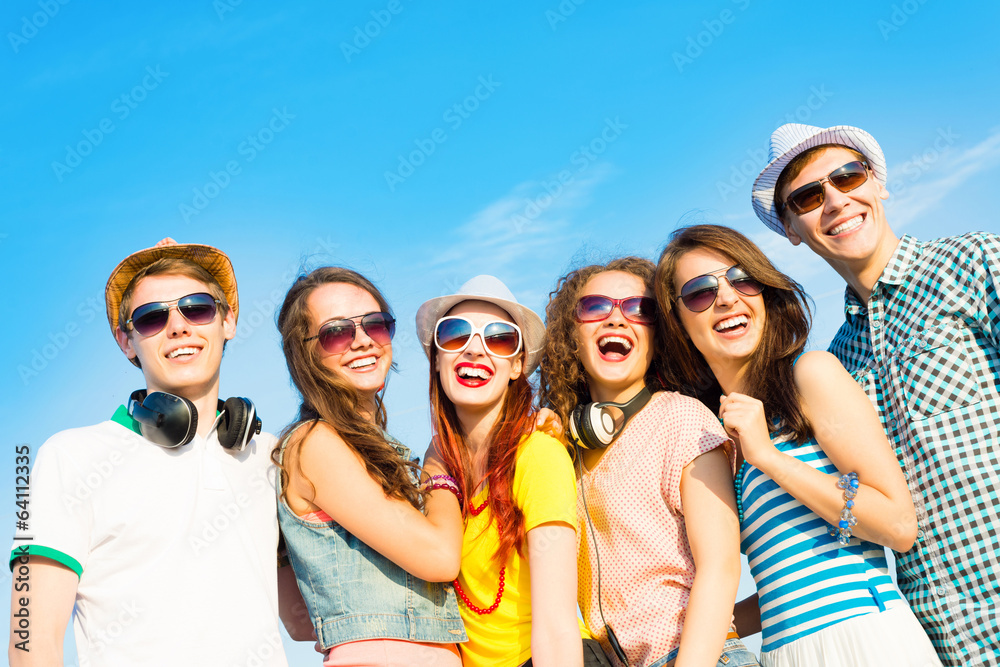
point(354, 593)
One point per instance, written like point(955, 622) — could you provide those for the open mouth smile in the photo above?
point(736, 324)
point(363, 364)
point(473, 375)
point(183, 353)
point(847, 226)
point(614, 347)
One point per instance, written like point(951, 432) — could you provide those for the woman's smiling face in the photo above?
point(365, 364)
point(474, 379)
point(729, 330)
point(615, 352)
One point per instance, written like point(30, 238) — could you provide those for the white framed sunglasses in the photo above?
point(454, 333)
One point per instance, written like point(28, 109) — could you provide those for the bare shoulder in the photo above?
point(818, 367)
point(314, 439)
point(820, 377)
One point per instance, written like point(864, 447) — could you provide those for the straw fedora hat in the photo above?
point(211, 259)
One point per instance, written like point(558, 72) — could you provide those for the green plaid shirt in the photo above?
point(925, 349)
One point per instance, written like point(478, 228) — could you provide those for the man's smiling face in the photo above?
point(183, 358)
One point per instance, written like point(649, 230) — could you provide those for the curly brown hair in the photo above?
point(328, 397)
point(769, 376)
point(562, 379)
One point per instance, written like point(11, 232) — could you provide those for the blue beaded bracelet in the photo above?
point(843, 531)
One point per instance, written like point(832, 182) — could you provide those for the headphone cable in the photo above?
point(612, 639)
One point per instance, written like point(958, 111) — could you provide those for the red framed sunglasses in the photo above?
point(597, 307)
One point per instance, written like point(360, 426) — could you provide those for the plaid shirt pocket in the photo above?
point(936, 374)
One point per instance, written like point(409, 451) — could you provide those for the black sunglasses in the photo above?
point(151, 318)
point(336, 336)
point(699, 293)
point(811, 195)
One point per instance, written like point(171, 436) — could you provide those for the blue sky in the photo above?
point(425, 143)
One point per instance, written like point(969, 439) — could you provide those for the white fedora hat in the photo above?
point(491, 290)
point(791, 139)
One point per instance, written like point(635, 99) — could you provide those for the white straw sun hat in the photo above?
point(791, 139)
point(491, 290)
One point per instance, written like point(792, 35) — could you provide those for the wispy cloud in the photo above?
point(532, 217)
point(929, 178)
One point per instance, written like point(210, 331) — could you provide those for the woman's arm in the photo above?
point(325, 472)
point(555, 632)
point(746, 616)
point(292, 608)
point(849, 432)
point(713, 531)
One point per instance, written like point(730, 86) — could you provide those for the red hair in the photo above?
point(517, 419)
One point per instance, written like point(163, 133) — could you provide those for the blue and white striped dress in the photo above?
point(805, 580)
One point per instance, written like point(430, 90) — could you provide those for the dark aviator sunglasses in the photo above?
point(811, 196)
point(151, 318)
point(699, 293)
point(336, 336)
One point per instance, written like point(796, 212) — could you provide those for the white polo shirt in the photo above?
point(175, 548)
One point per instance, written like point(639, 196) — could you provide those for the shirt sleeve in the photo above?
point(544, 484)
point(696, 431)
point(988, 269)
point(60, 519)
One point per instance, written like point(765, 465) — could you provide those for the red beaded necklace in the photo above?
point(475, 511)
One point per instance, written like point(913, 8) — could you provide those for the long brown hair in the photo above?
point(769, 376)
point(516, 420)
point(328, 397)
point(563, 379)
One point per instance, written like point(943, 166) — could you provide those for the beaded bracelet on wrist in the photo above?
point(451, 487)
point(844, 529)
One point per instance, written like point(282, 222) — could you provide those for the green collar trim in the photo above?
point(122, 417)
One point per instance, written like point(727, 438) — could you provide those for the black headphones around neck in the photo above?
point(592, 425)
point(172, 421)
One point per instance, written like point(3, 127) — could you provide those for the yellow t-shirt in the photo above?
point(545, 490)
